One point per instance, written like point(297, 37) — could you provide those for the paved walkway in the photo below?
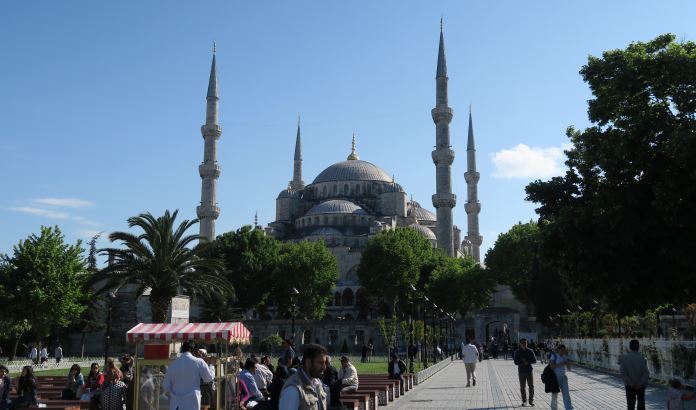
point(497, 387)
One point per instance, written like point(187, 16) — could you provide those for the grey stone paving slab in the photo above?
point(497, 387)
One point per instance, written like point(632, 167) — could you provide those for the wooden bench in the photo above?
point(374, 397)
point(393, 386)
point(84, 405)
point(364, 402)
point(350, 404)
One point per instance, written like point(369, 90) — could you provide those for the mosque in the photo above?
point(348, 203)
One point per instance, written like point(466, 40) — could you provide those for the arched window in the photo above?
point(337, 299)
point(348, 297)
point(346, 189)
point(323, 190)
point(316, 220)
point(335, 220)
point(325, 219)
point(335, 189)
point(357, 190)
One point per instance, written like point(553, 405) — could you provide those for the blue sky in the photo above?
point(101, 103)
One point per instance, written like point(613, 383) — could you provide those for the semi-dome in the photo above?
point(421, 214)
point(427, 233)
point(352, 170)
point(336, 206)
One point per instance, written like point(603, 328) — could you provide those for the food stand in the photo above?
point(158, 339)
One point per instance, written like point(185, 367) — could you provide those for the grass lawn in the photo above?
point(377, 367)
point(47, 372)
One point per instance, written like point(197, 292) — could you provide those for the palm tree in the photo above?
point(159, 259)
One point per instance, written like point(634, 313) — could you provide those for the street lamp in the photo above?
point(293, 299)
point(409, 350)
point(425, 331)
point(107, 334)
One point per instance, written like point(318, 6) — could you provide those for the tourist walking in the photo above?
point(183, 380)
point(560, 362)
point(304, 390)
point(524, 358)
point(470, 355)
point(634, 372)
point(58, 353)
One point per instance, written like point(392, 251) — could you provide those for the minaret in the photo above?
point(209, 170)
point(472, 206)
point(443, 155)
point(297, 183)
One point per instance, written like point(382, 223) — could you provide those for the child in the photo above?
point(675, 396)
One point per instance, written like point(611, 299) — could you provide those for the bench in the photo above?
point(350, 404)
point(364, 401)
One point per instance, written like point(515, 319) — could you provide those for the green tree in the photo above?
point(516, 260)
point(391, 262)
point(460, 285)
point(41, 284)
point(621, 219)
point(159, 259)
point(310, 268)
point(92, 318)
point(251, 258)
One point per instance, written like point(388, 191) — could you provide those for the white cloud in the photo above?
point(41, 212)
point(64, 202)
point(89, 233)
point(523, 162)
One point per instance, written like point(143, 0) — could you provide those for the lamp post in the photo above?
point(107, 334)
point(674, 322)
point(425, 331)
point(409, 351)
point(293, 298)
point(442, 315)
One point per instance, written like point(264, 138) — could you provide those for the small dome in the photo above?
point(427, 233)
point(422, 214)
point(393, 187)
point(327, 232)
point(352, 170)
point(288, 193)
point(336, 206)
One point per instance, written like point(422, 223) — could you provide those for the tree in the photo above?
point(460, 285)
point(621, 219)
point(91, 319)
point(516, 260)
point(250, 258)
point(313, 270)
point(391, 262)
point(159, 259)
point(41, 284)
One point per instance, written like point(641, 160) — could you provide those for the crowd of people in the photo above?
point(633, 371)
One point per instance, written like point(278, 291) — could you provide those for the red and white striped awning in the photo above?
point(230, 332)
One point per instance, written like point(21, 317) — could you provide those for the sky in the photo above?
point(101, 103)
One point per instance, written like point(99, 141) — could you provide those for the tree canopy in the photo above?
point(620, 222)
point(41, 283)
point(251, 258)
point(516, 260)
point(392, 261)
point(460, 285)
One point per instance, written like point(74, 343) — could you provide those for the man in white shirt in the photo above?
point(262, 375)
point(183, 380)
point(470, 355)
point(58, 353)
point(348, 376)
point(44, 355)
point(34, 355)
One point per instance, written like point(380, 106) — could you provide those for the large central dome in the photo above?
point(353, 170)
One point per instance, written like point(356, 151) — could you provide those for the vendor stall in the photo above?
point(159, 339)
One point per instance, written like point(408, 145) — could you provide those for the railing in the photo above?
point(425, 374)
point(667, 359)
point(65, 363)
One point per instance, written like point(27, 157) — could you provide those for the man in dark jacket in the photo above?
point(396, 368)
point(330, 378)
point(524, 358)
point(634, 372)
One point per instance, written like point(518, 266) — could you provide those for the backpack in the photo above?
point(548, 375)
